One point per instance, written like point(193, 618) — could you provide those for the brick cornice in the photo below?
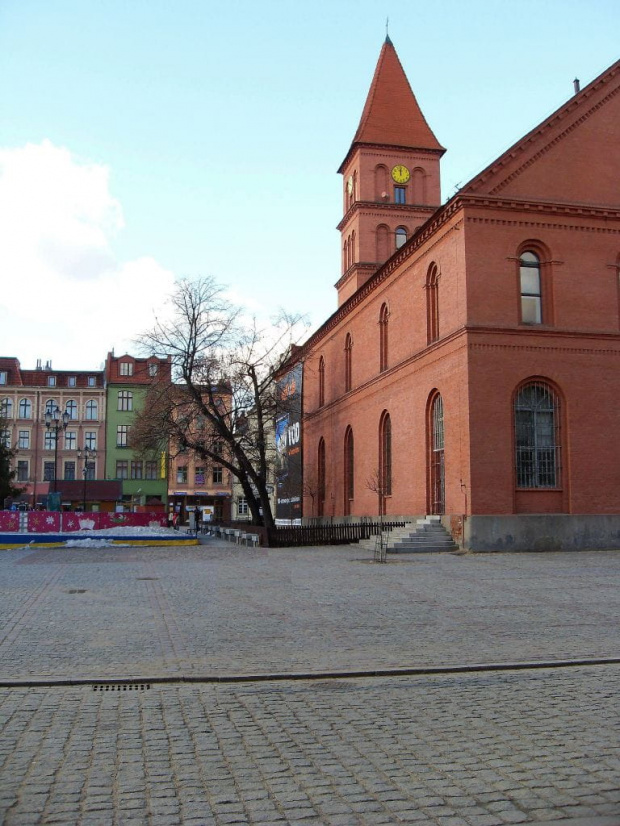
point(387, 148)
point(379, 207)
point(538, 206)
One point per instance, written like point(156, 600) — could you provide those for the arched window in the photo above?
point(537, 436)
point(383, 337)
point(349, 470)
point(432, 304)
point(437, 457)
point(320, 466)
point(344, 257)
point(381, 182)
point(72, 409)
point(385, 459)
point(6, 408)
point(50, 405)
point(348, 362)
point(321, 381)
point(92, 410)
point(352, 258)
point(401, 236)
point(418, 185)
point(25, 409)
point(531, 288)
point(383, 243)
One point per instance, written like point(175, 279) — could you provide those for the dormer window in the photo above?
point(153, 367)
point(71, 381)
point(92, 381)
point(126, 368)
point(51, 381)
point(3, 376)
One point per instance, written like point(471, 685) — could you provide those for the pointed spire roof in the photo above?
point(391, 114)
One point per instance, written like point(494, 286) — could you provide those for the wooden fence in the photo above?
point(296, 536)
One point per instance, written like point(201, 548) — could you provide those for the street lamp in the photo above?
point(88, 454)
point(55, 422)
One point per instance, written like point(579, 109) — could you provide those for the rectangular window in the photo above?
point(125, 400)
point(5, 437)
point(90, 440)
point(69, 471)
point(150, 470)
point(126, 368)
point(48, 471)
point(3, 377)
point(51, 381)
point(242, 506)
point(153, 369)
point(92, 381)
point(400, 195)
point(71, 381)
point(90, 471)
point(136, 470)
point(199, 475)
point(217, 475)
point(50, 440)
point(70, 440)
point(24, 439)
point(122, 435)
point(22, 470)
point(122, 469)
point(182, 475)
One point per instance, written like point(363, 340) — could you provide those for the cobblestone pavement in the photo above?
point(467, 749)
point(462, 750)
point(213, 609)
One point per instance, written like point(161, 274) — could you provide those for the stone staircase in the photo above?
point(428, 535)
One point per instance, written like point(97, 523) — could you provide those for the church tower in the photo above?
point(390, 175)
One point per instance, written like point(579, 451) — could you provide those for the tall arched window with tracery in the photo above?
point(432, 304)
point(349, 470)
point(385, 460)
point(437, 468)
point(320, 473)
point(321, 381)
point(384, 315)
point(537, 436)
point(348, 362)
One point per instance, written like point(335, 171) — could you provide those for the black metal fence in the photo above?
point(297, 536)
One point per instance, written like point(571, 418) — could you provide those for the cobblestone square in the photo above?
point(193, 743)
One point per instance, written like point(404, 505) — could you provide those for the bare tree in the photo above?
point(222, 404)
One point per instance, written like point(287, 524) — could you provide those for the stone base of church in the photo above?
point(542, 532)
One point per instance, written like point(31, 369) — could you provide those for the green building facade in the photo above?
point(144, 478)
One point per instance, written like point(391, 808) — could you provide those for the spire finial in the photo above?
point(387, 26)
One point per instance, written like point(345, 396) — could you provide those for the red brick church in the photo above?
point(472, 366)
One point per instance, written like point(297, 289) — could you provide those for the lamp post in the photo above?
point(88, 454)
point(55, 422)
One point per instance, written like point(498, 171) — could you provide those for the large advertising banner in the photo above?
point(288, 449)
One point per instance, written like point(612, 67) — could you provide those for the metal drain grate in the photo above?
point(146, 578)
point(75, 590)
point(122, 687)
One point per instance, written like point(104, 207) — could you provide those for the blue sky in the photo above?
point(144, 140)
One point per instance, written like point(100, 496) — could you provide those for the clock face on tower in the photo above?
point(400, 174)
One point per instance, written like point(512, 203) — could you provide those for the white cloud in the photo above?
point(65, 296)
